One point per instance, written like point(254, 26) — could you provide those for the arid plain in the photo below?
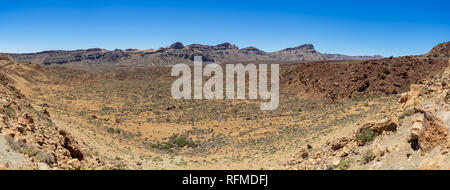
point(358, 113)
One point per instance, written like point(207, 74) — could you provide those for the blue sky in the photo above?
point(347, 27)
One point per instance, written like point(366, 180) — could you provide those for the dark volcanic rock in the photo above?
point(177, 45)
point(225, 46)
point(335, 82)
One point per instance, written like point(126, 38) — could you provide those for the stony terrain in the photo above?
point(335, 81)
point(411, 134)
point(103, 116)
point(178, 53)
point(31, 131)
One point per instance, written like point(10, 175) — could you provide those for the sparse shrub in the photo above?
point(118, 131)
point(31, 151)
point(120, 166)
point(378, 96)
point(46, 157)
point(181, 142)
point(165, 145)
point(105, 109)
point(28, 150)
point(345, 164)
point(154, 145)
point(15, 145)
point(358, 99)
point(157, 159)
point(111, 130)
point(367, 157)
point(407, 113)
point(366, 135)
point(10, 112)
point(303, 118)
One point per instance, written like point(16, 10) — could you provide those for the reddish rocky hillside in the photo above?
point(441, 50)
point(336, 81)
point(412, 134)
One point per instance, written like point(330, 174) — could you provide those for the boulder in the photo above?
point(74, 164)
point(339, 143)
point(372, 129)
point(433, 132)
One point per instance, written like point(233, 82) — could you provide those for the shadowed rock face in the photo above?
point(307, 48)
point(178, 53)
point(252, 50)
point(177, 45)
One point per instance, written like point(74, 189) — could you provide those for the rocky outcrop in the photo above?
point(31, 132)
point(4, 57)
point(334, 82)
point(370, 130)
point(441, 50)
point(177, 45)
point(413, 134)
point(433, 132)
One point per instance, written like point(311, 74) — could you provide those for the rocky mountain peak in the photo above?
point(303, 48)
point(224, 46)
point(178, 53)
point(177, 45)
point(252, 50)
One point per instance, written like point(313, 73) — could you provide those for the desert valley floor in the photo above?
point(390, 113)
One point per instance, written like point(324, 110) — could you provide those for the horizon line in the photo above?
point(112, 49)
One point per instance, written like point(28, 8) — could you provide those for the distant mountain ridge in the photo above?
point(179, 53)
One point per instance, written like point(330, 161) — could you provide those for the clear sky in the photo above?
point(347, 27)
